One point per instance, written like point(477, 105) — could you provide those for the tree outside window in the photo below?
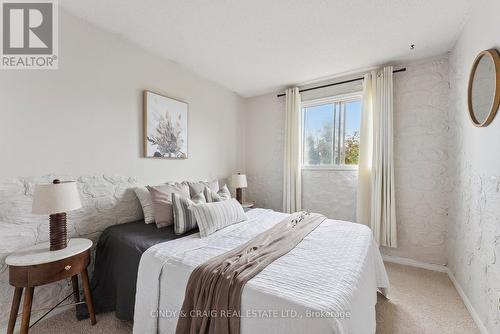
point(331, 132)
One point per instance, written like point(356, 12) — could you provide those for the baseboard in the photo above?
point(443, 269)
point(468, 305)
point(414, 263)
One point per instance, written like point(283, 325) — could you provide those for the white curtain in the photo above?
point(376, 199)
point(292, 181)
point(364, 205)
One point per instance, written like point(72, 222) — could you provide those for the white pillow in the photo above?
point(147, 204)
point(211, 217)
point(161, 196)
point(197, 187)
point(217, 196)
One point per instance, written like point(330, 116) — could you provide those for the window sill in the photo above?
point(338, 168)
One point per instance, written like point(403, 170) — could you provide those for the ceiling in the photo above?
point(258, 46)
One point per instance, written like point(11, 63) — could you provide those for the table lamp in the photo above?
point(239, 181)
point(55, 199)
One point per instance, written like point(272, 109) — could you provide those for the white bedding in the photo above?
point(327, 284)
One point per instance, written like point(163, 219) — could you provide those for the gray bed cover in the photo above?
point(118, 252)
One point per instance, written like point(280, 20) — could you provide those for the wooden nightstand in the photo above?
point(36, 265)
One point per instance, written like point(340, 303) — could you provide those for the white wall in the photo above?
point(421, 104)
point(264, 151)
point(474, 223)
point(84, 122)
point(86, 117)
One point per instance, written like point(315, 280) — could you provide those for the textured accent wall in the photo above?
point(331, 192)
point(421, 102)
point(106, 201)
point(474, 222)
point(421, 140)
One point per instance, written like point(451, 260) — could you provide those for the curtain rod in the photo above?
point(338, 83)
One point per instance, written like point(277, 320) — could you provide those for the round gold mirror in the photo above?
point(484, 88)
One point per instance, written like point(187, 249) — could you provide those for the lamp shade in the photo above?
point(55, 198)
point(239, 181)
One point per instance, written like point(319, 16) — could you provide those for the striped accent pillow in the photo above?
point(221, 195)
point(184, 220)
point(217, 215)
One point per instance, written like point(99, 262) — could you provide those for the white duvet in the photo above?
point(327, 284)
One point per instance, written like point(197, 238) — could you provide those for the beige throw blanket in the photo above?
point(213, 294)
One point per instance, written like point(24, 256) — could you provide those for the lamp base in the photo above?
point(239, 195)
point(58, 231)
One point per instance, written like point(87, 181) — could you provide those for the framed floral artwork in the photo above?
point(165, 127)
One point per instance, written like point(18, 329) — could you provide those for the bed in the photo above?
point(327, 284)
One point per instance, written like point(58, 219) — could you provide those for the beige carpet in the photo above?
point(421, 302)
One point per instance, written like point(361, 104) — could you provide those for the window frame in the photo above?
point(348, 97)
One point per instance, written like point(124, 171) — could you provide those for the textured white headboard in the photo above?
point(106, 201)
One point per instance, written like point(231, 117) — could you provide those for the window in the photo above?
point(330, 136)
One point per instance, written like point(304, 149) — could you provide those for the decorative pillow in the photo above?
point(161, 196)
point(198, 187)
point(217, 215)
point(184, 220)
point(222, 195)
point(147, 204)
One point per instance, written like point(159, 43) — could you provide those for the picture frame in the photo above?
point(165, 127)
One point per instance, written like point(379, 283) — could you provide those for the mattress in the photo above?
point(327, 284)
point(118, 253)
